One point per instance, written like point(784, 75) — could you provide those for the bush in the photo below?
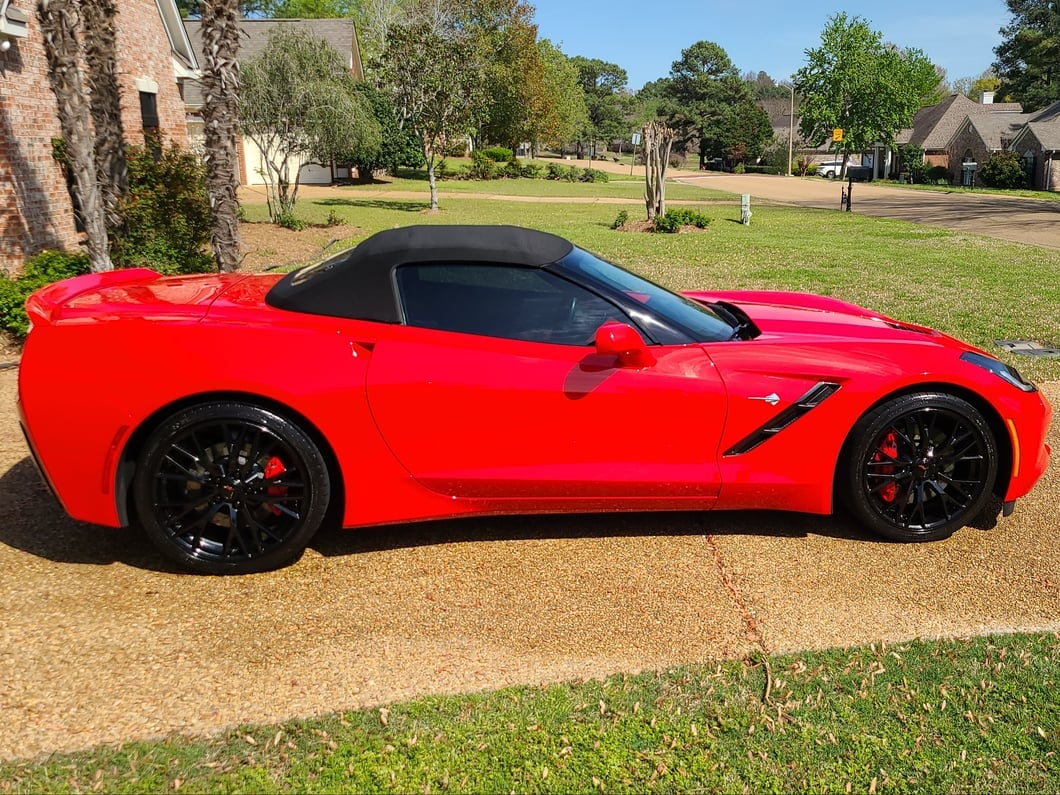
point(166, 218)
point(532, 171)
point(512, 170)
point(289, 221)
point(563, 173)
point(621, 220)
point(498, 154)
point(593, 175)
point(43, 269)
point(1004, 170)
point(674, 219)
point(483, 166)
point(938, 175)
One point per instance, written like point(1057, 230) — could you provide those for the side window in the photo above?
point(502, 301)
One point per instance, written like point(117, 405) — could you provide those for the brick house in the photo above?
point(341, 34)
point(935, 125)
point(978, 138)
point(1038, 143)
point(154, 56)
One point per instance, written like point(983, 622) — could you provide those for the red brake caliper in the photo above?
point(888, 452)
point(273, 469)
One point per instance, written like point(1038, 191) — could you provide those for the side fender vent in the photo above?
point(811, 400)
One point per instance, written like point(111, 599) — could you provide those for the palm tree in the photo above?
point(220, 114)
point(105, 102)
point(60, 21)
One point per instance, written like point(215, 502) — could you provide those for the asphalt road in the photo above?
point(1008, 218)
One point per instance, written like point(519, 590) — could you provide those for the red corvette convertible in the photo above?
point(438, 371)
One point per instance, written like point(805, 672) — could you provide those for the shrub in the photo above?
point(593, 175)
point(482, 166)
point(43, 269)
point(498, 154)
point(674, 219)
point(290, 221)
point(512, 170)
point(1004, 170)
point(533, 171)
point(166, 217)
point(563, 173)
point(739, 168)
point(938, 175)
point(621, 220)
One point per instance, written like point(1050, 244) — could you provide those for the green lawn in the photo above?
point(975, 715)
point(976, 288)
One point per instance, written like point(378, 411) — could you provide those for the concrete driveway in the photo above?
point(1008, 218)
point(101, 642)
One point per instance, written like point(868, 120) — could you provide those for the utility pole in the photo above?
point(791, 126)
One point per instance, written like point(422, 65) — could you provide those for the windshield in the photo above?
point(697, 322)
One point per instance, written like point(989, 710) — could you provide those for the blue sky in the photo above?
point(644, 38)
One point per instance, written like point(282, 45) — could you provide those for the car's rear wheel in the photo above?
point(230, 488)
point(919, 467)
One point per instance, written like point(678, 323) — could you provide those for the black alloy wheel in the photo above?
point(230, 488)
point(920, 467)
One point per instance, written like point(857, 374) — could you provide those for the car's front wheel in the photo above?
point(919, 467)
point(230, 488)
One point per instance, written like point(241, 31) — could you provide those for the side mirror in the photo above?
point(623, 341)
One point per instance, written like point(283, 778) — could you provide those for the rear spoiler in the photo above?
point(42, 305)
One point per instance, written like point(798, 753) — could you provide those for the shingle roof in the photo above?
point(998, 130)
point(934, 125)
point(339, 33)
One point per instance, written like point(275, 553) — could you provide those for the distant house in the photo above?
point(341, 34)
point(1038, 143)
point(978, 138)
point(154, 56)
point(934, 127)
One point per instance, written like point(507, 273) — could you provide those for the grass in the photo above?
point(976, 715)
point(977, 288)
point(618, 186)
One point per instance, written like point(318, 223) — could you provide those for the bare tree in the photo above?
point(101, 75)
point(60, 21)
point(220, 113)
point(658, 140)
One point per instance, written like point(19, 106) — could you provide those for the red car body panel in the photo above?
point(425, 423)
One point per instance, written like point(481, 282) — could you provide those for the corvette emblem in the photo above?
point(772, 399)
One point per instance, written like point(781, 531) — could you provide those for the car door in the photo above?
point(493, 390)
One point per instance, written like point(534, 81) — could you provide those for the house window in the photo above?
point(148, 91)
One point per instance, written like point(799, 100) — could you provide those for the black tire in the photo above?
point(919, 467)
point(230, 488)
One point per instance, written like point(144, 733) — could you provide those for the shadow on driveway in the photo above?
point(39, 526)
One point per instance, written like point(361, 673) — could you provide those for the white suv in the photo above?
point(833, 168)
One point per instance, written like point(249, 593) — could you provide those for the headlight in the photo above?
point(1000, 369)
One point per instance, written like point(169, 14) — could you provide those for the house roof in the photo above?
point(1045, 126)
point(934, 125)
point(998, 130)
point(341, 34)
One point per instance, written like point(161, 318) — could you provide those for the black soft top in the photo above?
point(359, 283)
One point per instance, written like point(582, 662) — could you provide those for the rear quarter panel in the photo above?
point(91, 392)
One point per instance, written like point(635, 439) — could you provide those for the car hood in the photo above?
point(805, 316)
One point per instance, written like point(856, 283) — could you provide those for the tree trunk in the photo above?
point(220, 114)
point(101, 74)
point(60, 22)
point(658, 140)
